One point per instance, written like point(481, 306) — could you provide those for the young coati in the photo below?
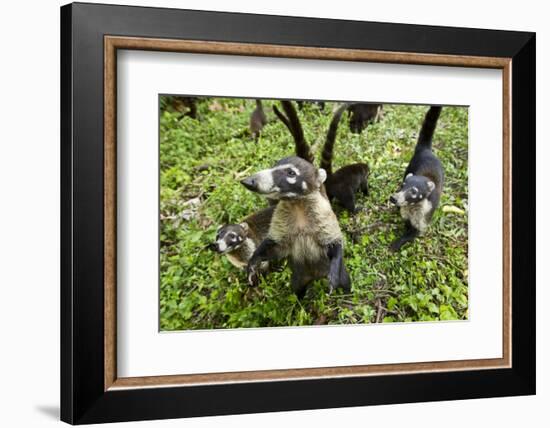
point(421, 189)
point(258, 120)
point(239, 241)
point(303, 227)
point(345, 182)
point(362, 114)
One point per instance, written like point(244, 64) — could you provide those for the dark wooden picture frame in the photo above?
point(90, 389)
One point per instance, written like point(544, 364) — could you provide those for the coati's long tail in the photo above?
point(328, 148)
point(283, 119)
point(428, 127)
point(293, 124)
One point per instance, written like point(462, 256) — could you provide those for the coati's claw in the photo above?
point(332, 284)
point(252, 275)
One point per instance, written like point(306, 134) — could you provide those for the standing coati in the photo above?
point(303, 227)
point(345, 182)
point(239, 241)
point(421, 189)
point(258, 120)
point(362, 114)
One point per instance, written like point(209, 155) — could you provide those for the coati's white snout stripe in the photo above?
point(222, 246)
point(399, 198)
point(264, 180)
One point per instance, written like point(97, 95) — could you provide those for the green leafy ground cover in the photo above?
point(202, 162)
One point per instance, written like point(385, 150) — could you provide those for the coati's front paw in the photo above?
point(252, 275)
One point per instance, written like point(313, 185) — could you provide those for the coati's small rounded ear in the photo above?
point(245, 227)
point(431, 185)
point(410, 174)
point(219, 228)
point(321, 175)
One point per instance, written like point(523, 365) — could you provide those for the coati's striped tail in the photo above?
point(302, 148)
point(428, 127)
point(283, 119)
point(293, 124)
point(326, 157)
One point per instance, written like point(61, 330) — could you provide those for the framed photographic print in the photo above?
point(266, 213)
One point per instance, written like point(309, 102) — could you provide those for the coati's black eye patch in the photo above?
point(290, 172)
point(220, 233)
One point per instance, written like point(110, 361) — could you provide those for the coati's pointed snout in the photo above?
point(213, 246)
point(250, 183)
point(261, 182)
point(399, 199)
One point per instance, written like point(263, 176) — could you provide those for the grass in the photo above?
point(202, 162)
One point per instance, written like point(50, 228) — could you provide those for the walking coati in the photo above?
point(421, 189)
point(362, 114)
point(303, 228)
point(239, 241)
point(345, 182)
point(258, 120)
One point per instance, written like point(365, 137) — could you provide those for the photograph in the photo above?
point(287, 213)
point(263, 211)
